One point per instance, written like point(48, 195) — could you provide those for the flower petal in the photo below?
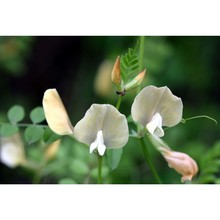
point(152, 100)
point(182, 163)
point(87, 128)
point(155, 125)
point(12, 151)
point(55, 113)
point(99, 144)
point(115, 128)
point(106, 118)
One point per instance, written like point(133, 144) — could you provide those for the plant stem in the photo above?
point(99, 169)
point(141, 52)
point(148, 160)
point(141, 57)
point(119, 102)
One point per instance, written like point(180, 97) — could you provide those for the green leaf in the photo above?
point(8, 130)
point(37, 115)
point(49, 136)
point(33, 134)
point(79, 167)
point(16, 113)
point(114, 157)
point(67, 181)
point(129, 65)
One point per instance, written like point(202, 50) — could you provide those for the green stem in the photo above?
point(149, 162)
point(141, 53)
point(23, 124)
point(119, 102)
point(141, 58)
point(141, 65)
point(99, 169)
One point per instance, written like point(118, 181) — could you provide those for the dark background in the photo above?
point(188, 65)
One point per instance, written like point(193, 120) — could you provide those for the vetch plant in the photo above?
point(153, 108)
point(103, 133)
point(103, 126)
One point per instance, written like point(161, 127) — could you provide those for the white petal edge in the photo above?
point(55, 113)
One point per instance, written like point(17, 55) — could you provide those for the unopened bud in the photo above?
point(136, 81)
point(116, 74)
point(182, 163)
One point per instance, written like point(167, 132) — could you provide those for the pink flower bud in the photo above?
point(116, 73)
point(182, 163)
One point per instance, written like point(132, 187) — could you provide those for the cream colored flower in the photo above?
point(103, 126)
point(155, 107)
point(52, 150)
point(56, 114)
point(102, 84)
point(182, 163)
point(12, 151)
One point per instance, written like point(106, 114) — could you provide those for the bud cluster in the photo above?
point(121, 86)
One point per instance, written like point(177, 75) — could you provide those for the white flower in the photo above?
point(12, 151)
point(55, 113)
point(156, 107)
point(103, 126)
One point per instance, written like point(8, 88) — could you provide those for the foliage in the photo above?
point(129, 65)
point(188, 65)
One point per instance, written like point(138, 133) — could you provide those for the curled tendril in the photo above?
point(199, 116)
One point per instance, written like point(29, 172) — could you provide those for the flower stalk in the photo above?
point(149, 162)
point(141, 57)
point(99, 169)
point(119, 102)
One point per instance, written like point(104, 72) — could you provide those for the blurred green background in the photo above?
point(188, 65)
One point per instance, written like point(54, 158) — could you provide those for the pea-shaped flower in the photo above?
point(102, 127)
point(155, 107)
point(182, 163)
